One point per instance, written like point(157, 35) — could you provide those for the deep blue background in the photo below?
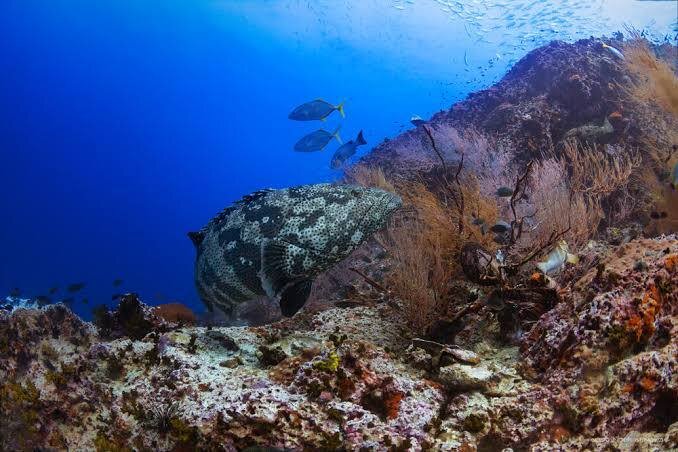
point(126, 123)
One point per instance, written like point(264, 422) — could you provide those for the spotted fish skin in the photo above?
point(274, 242)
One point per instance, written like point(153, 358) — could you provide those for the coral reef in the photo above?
point(432, 336)
point(594, 369)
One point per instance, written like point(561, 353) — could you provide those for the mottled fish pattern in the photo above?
point(274, 242)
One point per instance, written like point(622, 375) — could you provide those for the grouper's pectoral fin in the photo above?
point(276, 265)
point(294, 296)
point(278, 275)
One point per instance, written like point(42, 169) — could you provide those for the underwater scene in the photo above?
point(323, 225)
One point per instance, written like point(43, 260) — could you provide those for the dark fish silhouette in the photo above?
point(504, 192)
point(43, 300)
point(117, 282)
point(76, 287)
point(347, 150)
point(500, 227)
point(315, 110)
point(85, 301)
point(16, 292)
point(53, 290)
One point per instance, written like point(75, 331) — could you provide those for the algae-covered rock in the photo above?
point(464, 376)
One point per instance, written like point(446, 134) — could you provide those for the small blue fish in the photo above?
point(614, 51)
point(346, 150)
point(314, 110)
point(316, 141)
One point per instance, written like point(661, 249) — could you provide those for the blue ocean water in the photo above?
point(124, 124)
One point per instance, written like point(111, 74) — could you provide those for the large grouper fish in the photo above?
point(275, 242)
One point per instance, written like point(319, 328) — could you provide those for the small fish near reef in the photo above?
point(504, 192)
point(591, 132)
point(500, 227)
point(274, 242)
point(614, 51)
point(76, 287)
point(316, 141)
point(557, 258)
point(346, 151)
point(315, 110)
point(43, 300)
point(658, 215)
point(417, 121)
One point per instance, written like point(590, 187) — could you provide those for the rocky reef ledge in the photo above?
point(599, 370)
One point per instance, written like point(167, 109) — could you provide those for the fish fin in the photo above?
point(336, 135)
point(275, 256)
point(360, 140)
point(196, 237)
point(294, 297)
point(340, 109)
point(572, 258)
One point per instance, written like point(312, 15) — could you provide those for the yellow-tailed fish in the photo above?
point(315, 110)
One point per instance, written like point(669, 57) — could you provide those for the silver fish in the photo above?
point(316, 141)
point(346, 150)
point(614, 51)
point(557, 258)
point(315, 110)
point(417, 121)
point(274, 242)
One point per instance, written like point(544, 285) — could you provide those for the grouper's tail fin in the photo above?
point(196, 237)
point(340, 109)
point(360, 139)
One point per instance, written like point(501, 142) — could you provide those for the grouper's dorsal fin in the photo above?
point(221, 216)
point(253, 196)
point(197, 237)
